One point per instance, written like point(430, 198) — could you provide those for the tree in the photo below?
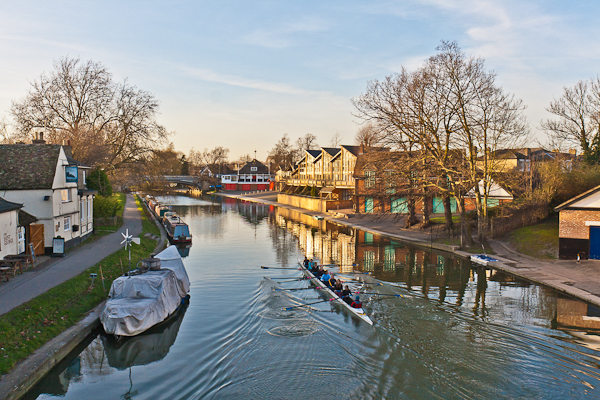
point(368, 136)
point(98, 180)
point(450, 116)
point(336, 140)
point(578, 112)
point(306, 142)
point(107, 124)
point(282, 155)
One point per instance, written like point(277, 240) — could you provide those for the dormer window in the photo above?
point(253, 169)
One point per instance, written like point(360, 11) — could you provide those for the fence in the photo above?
point(525, 215)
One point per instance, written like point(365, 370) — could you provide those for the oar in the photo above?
point(307, 304)
point(278, 268)
point(304, 288)
point(380, 294)
point(291, 280)
point(288, 277)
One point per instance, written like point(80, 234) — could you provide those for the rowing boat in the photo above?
point(359, 312)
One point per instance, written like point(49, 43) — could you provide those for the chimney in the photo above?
point(38, 138)
point(66, 142)
point(573, 151)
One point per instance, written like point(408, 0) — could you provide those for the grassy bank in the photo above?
point(27, 327)
point(539, 240)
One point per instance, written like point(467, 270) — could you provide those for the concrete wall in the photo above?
point(9, 239)
point(307, 203)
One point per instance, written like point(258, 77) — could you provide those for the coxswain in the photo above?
point(356, 303)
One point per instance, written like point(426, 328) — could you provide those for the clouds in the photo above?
point(283, 34)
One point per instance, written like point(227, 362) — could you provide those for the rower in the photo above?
point(356, 303)
point(325, 277)
point(346, 295)
point(306, 262)
point(338, 288)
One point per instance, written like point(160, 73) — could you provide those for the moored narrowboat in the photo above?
point(177, 230)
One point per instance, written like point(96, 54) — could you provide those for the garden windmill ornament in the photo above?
point(127, 239)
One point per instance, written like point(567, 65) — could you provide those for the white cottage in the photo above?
point(51, 187)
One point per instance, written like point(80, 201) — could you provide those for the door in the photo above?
point(368, 205)
point(594, 242)
point(399, 205)
point(36, 238)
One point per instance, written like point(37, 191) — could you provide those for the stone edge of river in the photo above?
point(26, 374)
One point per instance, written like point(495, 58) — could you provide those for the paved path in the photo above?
point(578, 279)
point(36, 281)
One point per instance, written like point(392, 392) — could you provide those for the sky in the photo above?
point(241, 74)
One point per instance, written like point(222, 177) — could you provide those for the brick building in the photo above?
point(579, 226)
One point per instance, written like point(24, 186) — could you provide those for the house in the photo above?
point(252, 176)
point(526, 159)
point(579, 226)
point(11, 236)
point(52, 188)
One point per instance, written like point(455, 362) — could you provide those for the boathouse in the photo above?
point(251, 177)
point(579, 226)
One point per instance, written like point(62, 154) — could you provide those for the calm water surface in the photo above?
point(458, 331)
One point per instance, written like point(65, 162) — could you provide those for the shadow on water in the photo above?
point(105, 352)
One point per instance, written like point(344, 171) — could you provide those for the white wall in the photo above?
point(9, 240)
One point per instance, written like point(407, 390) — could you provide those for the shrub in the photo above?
point(105, 206)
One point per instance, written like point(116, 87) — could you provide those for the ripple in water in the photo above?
point(305, 328)
point(281, 314)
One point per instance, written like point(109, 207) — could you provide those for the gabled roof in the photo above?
point(577, 198)
point(6, 206)
point(332, 151)
point(353, 149)
point(78, 163)
point(314, 153)
point(28, 166)
point(260, 168)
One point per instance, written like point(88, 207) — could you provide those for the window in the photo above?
point(369, 179)
point(233, 178)
point(67, 224)
point(90, 208)
point(253, 168)
point(82, 212)
point(83, 176)
point(66, 195)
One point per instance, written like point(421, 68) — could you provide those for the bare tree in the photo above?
point(336, 140)
point(282, 155)
point(306, 142)
point(106, 123)
point(578, 112)
point(368, 136)
point(449, 115)
point(218, 155)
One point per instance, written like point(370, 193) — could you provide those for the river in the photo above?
point(456, 332)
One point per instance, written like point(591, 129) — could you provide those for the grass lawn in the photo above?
point(539, 240)
point(27, 327)
point(442, 220)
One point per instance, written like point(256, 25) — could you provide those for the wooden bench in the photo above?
point(27, 259)
point(7, 271)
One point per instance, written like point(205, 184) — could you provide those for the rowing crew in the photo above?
point(334, 284)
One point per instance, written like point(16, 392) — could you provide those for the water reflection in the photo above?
point(460, 331)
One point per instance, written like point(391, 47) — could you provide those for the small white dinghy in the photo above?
point(146, 296)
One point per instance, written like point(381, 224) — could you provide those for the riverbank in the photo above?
point(577, 279)
point(58, 318)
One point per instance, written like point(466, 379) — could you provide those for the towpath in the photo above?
point(54, 271)
point(578, 279)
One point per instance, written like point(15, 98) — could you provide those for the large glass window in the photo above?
point(67, 224)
